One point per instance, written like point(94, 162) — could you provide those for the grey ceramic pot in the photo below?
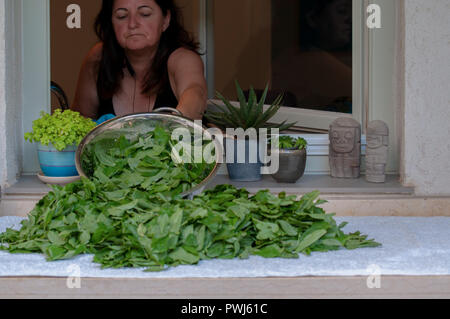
point(292, 165)
point(247, 171)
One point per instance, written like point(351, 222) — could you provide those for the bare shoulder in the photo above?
point(92, 60)
point(183, 55)
point(95, 54)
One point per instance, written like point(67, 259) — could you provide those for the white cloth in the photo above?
point(410, 246)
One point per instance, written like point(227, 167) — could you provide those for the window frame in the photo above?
point(367, 79)
point(35, 22)
point(35, 26)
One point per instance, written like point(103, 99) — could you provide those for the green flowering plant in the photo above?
point(289, 142)
point(62, 128)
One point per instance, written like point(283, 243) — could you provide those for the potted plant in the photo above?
point(249, 114)
point(57, 137)
point(292, 159)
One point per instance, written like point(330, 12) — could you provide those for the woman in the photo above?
point(145, 60)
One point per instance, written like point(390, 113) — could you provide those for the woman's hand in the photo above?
point(186, 74)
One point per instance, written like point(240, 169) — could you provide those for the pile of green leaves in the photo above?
point(60, 129)
point(144, 163)
point(130, 214)
point(133, 228)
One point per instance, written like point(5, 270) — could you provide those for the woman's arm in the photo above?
point(186, 74)
point(86, 99)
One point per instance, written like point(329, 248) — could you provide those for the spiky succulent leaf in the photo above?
point(242, 100)
point(236, 114)
point(250, 114)
point(252, 107)
point(259, 108)
point(222, 120)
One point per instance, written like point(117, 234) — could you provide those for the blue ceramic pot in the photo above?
point(247, 171)
point(56, 163)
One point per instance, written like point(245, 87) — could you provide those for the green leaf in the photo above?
point(242, 101)
point(55, 239)
point(118, 211)
point(201, 236)
point(240, 211)
point(55, 252)
point(141, 230)
point(175, 222)
point(288, 228)
point(259, 109)
point(310, 239)
point(215, 250)
point(270, 251)
point(198, 213)
point(84, 238)
point(252, 106)
point(183, 256)
point(267, 230)
point(331, 242)
point(117, 195)
point(100, 233)
point(235, 114)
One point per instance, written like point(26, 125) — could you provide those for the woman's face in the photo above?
point(138, 24)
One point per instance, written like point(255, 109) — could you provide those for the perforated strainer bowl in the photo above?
point(135, 125)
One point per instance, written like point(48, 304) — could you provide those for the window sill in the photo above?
point(31, 186)
point(345, 197)
point(323, 183)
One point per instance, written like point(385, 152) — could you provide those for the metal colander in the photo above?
point(134, 125)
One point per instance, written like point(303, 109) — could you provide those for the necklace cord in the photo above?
point(134, 98)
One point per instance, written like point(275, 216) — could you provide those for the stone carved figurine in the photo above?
point(376, 151)
point(345, 148)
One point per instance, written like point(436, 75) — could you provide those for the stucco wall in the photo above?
point(427, 96)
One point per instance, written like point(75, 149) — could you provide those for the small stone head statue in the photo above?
point(345, 148)
point(376, 151)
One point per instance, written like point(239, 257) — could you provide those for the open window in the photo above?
point(240, 38)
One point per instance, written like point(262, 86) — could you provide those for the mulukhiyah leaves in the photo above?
point(129, 215)
point(144, 163)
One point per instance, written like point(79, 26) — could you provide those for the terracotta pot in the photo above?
point(292, 165)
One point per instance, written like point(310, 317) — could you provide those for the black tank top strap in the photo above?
point(106, 107)
point(166, 98)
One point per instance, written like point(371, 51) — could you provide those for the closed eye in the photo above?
point(145, 11)
point(121, 13)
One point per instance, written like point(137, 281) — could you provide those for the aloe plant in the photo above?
point(249, 114)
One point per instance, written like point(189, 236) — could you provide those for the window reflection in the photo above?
point(317, 66)
point(303, 47)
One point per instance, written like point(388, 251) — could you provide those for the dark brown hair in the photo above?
point(110, 68)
